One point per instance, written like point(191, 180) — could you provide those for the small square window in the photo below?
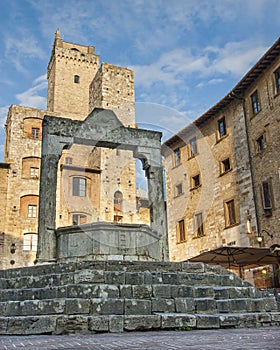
point(261, 144)
point(34, 173)
point(79, 219)
point(193, 147)
point(195, 181)
point(177, 157)
point(35, 133)
point(225, 165)
point(222, 131)
point(181, 231)
point(30, 242)
point(277, 80)
point(256, 106)
point(32, 211)
point(179, 189)
point(68, 160)
point(76, 79)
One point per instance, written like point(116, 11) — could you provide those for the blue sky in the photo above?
point(186, 54)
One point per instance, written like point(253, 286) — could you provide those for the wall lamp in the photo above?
point(268, 233)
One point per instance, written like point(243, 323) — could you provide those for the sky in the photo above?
point(186, 54)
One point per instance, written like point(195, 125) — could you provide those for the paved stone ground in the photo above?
point(222, 339)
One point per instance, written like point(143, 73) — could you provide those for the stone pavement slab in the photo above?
point(221, 339)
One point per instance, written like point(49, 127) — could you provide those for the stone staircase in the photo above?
point(117, 296)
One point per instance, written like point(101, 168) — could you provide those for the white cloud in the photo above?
point(173, 67)
point(22, 47)
point(235, 57)
point(3, 115)
point(31, 97)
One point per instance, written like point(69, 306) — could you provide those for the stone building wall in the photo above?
point(113, 88)
point(4, 173)
point(249, 151)
point(217, 186)
point(266, 163)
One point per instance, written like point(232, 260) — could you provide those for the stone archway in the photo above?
point(103, 129)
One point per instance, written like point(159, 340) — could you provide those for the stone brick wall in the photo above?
point(266, 163)
point(64, 94)
point(215, 189)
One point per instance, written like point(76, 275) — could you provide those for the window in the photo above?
point(76, 79)
point(261, 144)
point(193, 147)
point(118, 201)
point(68, 160)
point(30, 242)
point(32, 211)
point(179, 190)
point(118, 218)
point(266, 195)
point(195, 181)
point(79, 219)
point(34, 173)
point(181, 231)
point(2, 240)
point(230, 213)
point(277, 79)
point(35, 133)
point(199, 225)
point(79, 187)
point(225, 166)
point(177, 157)
point(255, 102)
point(222, 131)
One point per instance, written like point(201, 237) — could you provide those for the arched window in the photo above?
point(31, 167)
point(118, 201)
point(79, 219)
point(29, 206)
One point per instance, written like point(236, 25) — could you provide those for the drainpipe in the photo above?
point(234, 95)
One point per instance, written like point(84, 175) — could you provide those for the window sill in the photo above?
point(230, 226)
point(178, 195)
point(197, 237)
point(195, 188)
point(176, 166)
point(255, 114)
point(221, 139)
point(193, 156)
point(225, 172)
point(267, 212)
point(179, 242)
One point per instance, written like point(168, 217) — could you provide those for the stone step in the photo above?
point(140, 291)
point(114, 265)
point(79, 323)
point(92, 296)
point(128, 306)
point(122, 277)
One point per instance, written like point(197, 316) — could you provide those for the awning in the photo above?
point(237, 257)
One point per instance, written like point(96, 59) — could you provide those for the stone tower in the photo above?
point(93, 184)
point(70, 72)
